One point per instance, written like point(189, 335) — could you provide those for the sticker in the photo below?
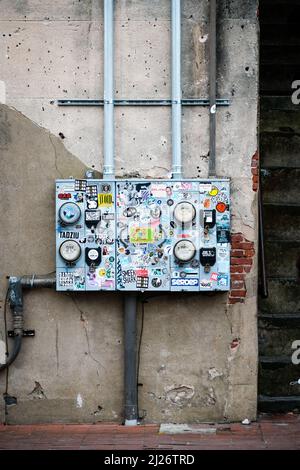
point(142, 282)
point(105, 200)
point(170, 202)
point(128, 276)
point(80, 185)
point(214, 191)
point(223, 235)
point(129, 211)
point(205, 284)
point(69, 235)
point(214, 276)
point(223, 253)
point(66, 279)
point(108, 216)
point(64, 196)
point(92, 191)
point(92, 204)
point(184, 282)
point(221, 207)
point(142, 272)
point(108, 284)
point(66, 187)
point(78, 197)
point(156, 282)
point(141, 235)
point(208, 256)
point(206, 203)
point(105, 188)
point(102, 272)
point(204, 188)
point(223, 280)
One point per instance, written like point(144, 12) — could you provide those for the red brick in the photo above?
point(249, 253)
point(241, 261)
point(255, 186)
point(243, 245)
point(237, 285)
point(256, 156)
point(238, 293)
point(237, 237)
point(236, 269)
point(237, 253)
point(255, 179)
point(237, 277)
point(254, 171)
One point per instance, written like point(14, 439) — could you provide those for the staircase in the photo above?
point(279, 313)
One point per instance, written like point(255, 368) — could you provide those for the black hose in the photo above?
point(15, 352)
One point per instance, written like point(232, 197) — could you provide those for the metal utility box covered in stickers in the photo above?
point(136, 235)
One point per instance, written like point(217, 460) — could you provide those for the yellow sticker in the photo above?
point(105, 200)
point(214, 191)
point(141, 235)
point(102, 272)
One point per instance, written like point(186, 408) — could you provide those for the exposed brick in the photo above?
point(241, 261)
point(237, 285)
point(238, 293)
point(254, 171)
point(237, 237)
point(237, 253)
point(243, 246)
point(249, 253)
point(237, 277)
point(255, 186)
point(236, 269)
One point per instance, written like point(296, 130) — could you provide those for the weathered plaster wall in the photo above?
point(199, 354)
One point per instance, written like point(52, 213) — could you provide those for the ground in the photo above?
point(269, 432)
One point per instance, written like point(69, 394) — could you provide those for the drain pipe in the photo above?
point(109, 165)
point(130, 375)
point(212, 89)
point(176, 90)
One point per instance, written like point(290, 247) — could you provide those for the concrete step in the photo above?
point(281, 222)
point(276, 375)
point(280, 149)
point(284, 297)
point(279, 185)
point(277, 340)
point(281, 257)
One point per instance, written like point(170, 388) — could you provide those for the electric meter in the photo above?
point(184, 212)
point(69, 213)
point(184, 250)
point(70, 251)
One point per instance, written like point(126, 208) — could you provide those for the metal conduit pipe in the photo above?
point(130, 359)
point(212, 89)
point(176, 90)
point(109, 164)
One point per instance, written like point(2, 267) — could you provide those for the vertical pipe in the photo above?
point(176, 90)
point(108, 168)
point(130, 314)
point(212, 89)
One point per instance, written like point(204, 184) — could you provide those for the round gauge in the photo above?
point(184, 212)
point(69, 213)
point(70, 251)
point(184, 250)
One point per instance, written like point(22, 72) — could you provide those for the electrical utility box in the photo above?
point(143, 235)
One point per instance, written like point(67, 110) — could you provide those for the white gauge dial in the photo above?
point(70, 251)
point(184, 250)
point(69, 213)
point(184, 212)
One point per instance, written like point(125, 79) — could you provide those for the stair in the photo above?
point(279, 313)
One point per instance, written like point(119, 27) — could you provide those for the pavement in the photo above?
point(268, 432)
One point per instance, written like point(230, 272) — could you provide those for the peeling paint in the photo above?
point(180, 395)
point(79, 401)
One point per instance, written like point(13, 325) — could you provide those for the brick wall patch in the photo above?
point(241, 261)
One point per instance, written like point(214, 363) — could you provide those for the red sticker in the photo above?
point(221, 207)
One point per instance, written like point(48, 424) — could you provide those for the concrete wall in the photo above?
point(198, 354)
